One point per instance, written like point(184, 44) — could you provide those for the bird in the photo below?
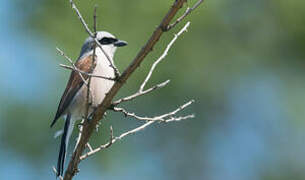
point(73, 104)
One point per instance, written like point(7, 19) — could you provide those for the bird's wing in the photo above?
point(74, 84)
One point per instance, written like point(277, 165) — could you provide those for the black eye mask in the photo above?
point(107, 40)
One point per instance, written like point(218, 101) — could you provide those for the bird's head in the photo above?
point(108, 41)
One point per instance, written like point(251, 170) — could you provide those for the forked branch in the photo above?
point(186, 13)
point(168, 117)
point(141, 90)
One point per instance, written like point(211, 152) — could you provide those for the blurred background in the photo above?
point(241, 60)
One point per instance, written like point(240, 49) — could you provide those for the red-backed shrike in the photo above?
point(73, 103)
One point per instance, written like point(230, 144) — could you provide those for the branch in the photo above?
point(162, 118)
point(141, 92)
point(80, 130)
point(81, 18)
point(142, 127)
point(163, 55)
point(137, 94)
point(89, 147)
point(85, 73)
point(88, 128)
point(186, 13)
point(71, 62)
point(107, 145)
point(88, 97)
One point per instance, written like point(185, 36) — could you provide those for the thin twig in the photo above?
point(85, 73)
point(94, 20)
point(81, 18)
point(104, 146)
point(137, 94)
point(187, 12)
point(135, 130)
point(184, 29)
point(80, 130)
point(141, 91)
point(89, 147)
point(107, 145)
point(162, 118)
point(111, 138)
point(71, 62)
point(179, 118)
point(88, 97)
point(92, 35)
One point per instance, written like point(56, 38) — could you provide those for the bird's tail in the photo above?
point(69, 124)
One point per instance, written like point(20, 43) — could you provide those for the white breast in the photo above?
point(99, 87)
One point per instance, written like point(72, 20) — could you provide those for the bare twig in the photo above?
point(71, 62)
point(187, 12)
point(163, 55)
point(92, 35)
point(85, 73)
point(141, 90)
point(107, 145)
point(89, 100)
point(137, 94)
point(162, 118)
point(135, 130)
point(111, 138)
point(89, 147)
point(180, 118)
point(81, 18)
point(94, 20)
point(80, 130)
point(104, 146)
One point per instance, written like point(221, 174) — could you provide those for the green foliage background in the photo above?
point(242, 61)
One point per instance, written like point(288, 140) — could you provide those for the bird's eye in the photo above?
point(107, 40)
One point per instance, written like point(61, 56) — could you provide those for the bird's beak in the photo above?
point(120, 43)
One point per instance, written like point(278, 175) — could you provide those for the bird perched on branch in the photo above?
point(74, 102)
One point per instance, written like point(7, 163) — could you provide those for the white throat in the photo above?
point(109, 51)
